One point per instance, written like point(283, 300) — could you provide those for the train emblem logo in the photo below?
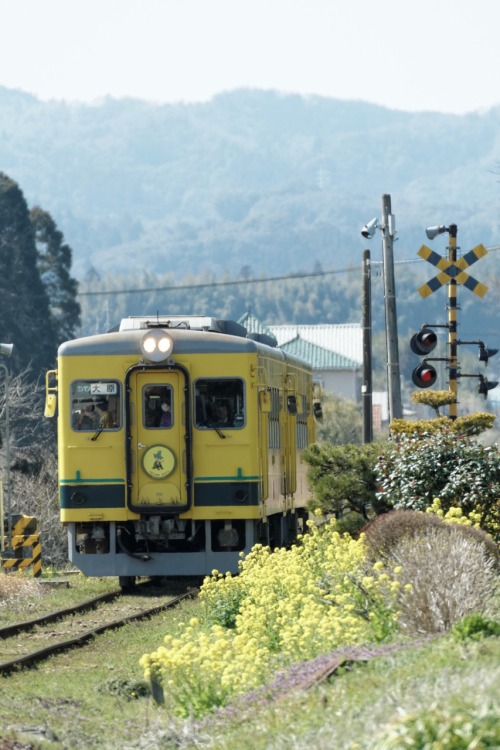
point(158, 461)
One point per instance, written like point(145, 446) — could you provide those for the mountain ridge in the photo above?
point(275, 181)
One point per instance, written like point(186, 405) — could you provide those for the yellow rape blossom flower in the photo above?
point(285, 605)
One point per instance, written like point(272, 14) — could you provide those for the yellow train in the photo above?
point(180, 443)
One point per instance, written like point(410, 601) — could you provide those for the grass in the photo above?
point(93, 697)
point(361, 708)
point(23, 597)
point(89, 697)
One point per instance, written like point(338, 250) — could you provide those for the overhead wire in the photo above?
point(238, 282)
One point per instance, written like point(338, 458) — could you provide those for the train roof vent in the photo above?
point(193, 322)
point(263, 338)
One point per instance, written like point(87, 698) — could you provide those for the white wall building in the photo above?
point(335, 352)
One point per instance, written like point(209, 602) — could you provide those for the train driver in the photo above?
point(222, 416)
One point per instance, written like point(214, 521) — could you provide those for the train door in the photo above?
point(158, 475)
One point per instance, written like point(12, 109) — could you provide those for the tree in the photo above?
point(341, 421)
point(343, 481)
point(54, 263)
point(33, 463)
point(25, 318)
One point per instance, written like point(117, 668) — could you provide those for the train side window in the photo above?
point(157, 403)
point(95, 405)
point(219, 402)
point(274, 419)
point(302, 432)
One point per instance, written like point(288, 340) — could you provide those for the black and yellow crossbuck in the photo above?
point(453, 270)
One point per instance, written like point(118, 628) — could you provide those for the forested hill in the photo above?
point(251, 182)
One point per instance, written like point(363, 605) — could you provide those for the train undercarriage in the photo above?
point(155, 546)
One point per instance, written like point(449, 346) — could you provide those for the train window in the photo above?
point(219, 402)
point(274, 419)
point(157, 403)
point(95, 405)
point(302, 432)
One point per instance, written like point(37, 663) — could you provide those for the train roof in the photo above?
point(196, 323)
point(190, 333)
point(186, 322)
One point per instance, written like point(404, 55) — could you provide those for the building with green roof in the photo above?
point(333, 368)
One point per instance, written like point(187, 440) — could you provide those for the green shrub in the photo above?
point(445, 464)
point(343, 480)
point(444, 729)
point(475, 626)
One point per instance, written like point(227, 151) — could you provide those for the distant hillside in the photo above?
point(275, 183)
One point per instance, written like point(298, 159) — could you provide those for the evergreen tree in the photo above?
point(25, 318)
point(54, 263)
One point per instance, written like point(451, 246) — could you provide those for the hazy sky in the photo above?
point(439, 55)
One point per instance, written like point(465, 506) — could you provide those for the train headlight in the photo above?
point(157, 346)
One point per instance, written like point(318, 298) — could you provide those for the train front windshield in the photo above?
point(219, 402)
point(95, 405)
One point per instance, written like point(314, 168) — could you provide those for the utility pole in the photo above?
point(366, 388)
point(388, 228)
point(391, 325)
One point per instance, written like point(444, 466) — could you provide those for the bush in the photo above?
point(445, 575)
point(465, 728)
point(343, 480)
point(386, 531)
point(35, 493)
point(445, 464)
point(475, 626)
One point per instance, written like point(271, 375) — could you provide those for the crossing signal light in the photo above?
point(485, 353)
point(486, 385)
point(424, 375)
point(424, 341)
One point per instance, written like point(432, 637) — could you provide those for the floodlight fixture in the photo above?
point(369, 229)
point(432, 232)
point(6, 349)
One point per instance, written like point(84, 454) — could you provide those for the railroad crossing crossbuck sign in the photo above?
point(453, 270)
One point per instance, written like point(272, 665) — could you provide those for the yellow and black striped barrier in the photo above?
point(24, 547)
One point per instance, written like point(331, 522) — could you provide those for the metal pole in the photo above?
point(452, 320)
point(366, 388)
point(391, 325)
point(7, 453)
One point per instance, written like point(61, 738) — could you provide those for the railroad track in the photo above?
point(82, 622)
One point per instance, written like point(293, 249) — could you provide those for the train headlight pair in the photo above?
point(157, 346)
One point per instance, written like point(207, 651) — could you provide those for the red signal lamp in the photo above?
point(424, 341)
point(486, 385)
point(424, 376)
